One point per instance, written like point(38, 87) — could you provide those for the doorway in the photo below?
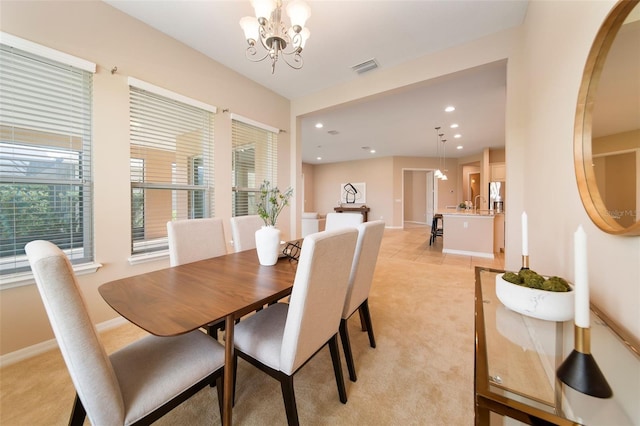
point(419, 196)
point(474, 187)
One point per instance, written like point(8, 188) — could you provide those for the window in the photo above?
point(45, 153)
point(254, 160)
point(171, 163)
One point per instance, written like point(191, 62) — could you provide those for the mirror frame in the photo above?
point(586, 180)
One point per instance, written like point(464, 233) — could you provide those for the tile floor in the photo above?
point(412, 243)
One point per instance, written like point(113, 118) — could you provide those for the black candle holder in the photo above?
point(580, 370)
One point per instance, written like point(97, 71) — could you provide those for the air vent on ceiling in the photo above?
point(369, 65)
point(333, 132)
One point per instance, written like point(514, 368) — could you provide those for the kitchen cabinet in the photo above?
point(498, 172)
point(468, 233)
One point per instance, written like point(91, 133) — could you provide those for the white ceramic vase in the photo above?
point(268, 245)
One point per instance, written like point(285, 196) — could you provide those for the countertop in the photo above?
point(471, 212)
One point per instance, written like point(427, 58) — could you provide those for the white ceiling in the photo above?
point(403, 123)
point(348, 32)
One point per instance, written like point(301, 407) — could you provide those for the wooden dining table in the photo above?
point(180, 299)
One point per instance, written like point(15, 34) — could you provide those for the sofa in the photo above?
point(312, 222)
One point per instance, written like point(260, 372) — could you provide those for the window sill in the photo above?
point(148, 257)
point(26, 278)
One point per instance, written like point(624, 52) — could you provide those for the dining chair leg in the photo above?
point(220, 390)
point(337, 368)
point(212, 329)
point(364, 309)
point(289, 396)
point(78, 413)
point(363, 321)
point(346, 346)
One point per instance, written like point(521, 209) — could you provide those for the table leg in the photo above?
point(482, 416)
point(228, 370)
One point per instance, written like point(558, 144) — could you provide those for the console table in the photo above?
point(362, 209)
point(516, 358)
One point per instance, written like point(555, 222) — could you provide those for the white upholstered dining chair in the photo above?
point(342, 220)
point(243, 231)
point(137, 384)
point(191, 240)
point(281, 338)
point(357, 299)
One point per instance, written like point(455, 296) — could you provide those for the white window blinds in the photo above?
point(45, 156)
point(254, 160)
point(171, 166)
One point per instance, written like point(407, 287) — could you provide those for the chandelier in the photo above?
point(273, 35)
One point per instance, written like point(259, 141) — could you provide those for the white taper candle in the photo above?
point(581, 285)
point(525, 235)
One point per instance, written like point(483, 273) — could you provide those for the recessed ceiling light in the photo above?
point(457, 136)
point(454, 126)
point(450, 108)
point(373, 151)
point(319, 125)
point(318, 158)
point(459, 147)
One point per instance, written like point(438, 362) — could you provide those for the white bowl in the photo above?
point(542, 304)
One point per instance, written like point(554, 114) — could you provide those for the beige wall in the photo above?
point(467, 171)
point(616, 160)
point(447, 191)
point(308, 204)
point(96, 32)
point(497, 155)
point(545, 65)
point(616, 142)
point(616, 180)
point(384, 180)
point(544, 77)
point(415, 196)
point(377, 174)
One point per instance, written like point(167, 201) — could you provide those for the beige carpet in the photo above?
point(420, 373)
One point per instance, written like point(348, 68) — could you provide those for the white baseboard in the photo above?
point(39, 348)
point(469, 253)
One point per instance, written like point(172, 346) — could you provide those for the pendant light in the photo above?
point(438, 173)
point(444, 160)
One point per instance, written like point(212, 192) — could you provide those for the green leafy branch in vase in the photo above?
point(271, 202)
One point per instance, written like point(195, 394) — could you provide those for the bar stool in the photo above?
point(437, 228)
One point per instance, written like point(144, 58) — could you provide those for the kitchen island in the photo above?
point(468, 233)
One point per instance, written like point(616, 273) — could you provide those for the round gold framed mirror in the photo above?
point(607, 126)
